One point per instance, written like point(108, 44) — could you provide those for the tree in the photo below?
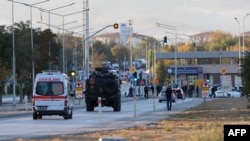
point(119, 52)
point(161, 71)
point(97, 61)
point(46, 50)
point(70, 43)
point(220, 41)
point(245, 75)
point(3, 75)
point(105, 49)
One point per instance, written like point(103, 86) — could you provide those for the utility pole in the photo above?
point(130, 42)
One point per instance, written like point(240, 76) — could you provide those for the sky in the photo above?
point(189, 17)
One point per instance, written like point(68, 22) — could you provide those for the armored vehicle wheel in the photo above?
point(89, 107)
point(34, 116)
point(117, 106)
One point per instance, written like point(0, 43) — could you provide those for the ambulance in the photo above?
point(51, 95)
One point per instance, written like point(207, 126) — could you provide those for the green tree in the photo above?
point(5, 47)
point(3, 76)
point(71, 42)
point(104, 49)
point(245, 75)
point(46, 51)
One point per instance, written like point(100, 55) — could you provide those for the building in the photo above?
point(186, 74)
point(124, 37)
point(200, 37)
point(125, 31)
point(107, 38)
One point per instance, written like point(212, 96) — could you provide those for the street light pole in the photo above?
point(239, 41)
point(49, 11)
point(243, 42)
point(87, 43)
point(31, 39)
point(31, 32)
point(175, 58)
point(13, 57)
point(170, 27)
point(130, 43)
point(63, 52)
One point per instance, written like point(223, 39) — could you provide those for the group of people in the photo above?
point(146, 90)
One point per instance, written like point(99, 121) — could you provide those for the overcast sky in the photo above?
point(188, 16)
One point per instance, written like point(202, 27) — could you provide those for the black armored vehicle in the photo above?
point(106, 85)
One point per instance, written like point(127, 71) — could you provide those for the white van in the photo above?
point(51, 95)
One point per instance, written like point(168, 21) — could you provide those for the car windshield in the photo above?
point(49, 88)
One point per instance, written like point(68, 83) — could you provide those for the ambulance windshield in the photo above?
point(49, 88)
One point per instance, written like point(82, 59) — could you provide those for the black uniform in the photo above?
point(146, 92)
point(169, 93)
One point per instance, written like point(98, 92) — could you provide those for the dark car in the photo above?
point(179, 93)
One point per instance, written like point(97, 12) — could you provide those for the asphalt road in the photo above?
point(133, 113)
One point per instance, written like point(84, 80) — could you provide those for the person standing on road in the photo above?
point(130, 91)
point(146, 92)
point(214, 89)
point(169, 94)
point(152, 88)
point(197, 91)
point(158, 89)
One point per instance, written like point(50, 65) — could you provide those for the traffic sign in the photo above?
point(132, 69)
point(205, 88)
point(79, 95)
point(204, 93)
point(223, 70)
point(78, 91)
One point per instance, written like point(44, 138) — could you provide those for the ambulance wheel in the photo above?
point(34, 116)
point(71, 113)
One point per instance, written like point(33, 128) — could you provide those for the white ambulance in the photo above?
point(51, 95)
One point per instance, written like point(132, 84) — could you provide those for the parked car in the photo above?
point(215, 86)
point(229, 94)
point(234, 93)
point(179, 93)
point(162, 96)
